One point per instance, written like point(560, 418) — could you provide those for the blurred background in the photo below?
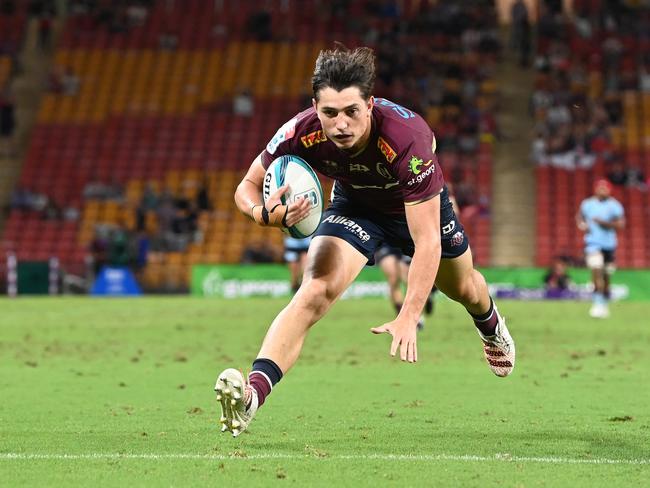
point(126, 125)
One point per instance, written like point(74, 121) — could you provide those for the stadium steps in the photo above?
point(27, 88)
point(513, 190)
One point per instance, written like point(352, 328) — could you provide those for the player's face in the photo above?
point(602, 191)
point(345, 117)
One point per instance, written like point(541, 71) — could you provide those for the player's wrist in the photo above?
point(276, 217)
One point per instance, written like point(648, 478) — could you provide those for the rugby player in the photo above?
point(389, 188)
point(600, 216)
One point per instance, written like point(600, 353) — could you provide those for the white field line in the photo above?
point(18, 456)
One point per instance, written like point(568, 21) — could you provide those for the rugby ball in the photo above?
point(303, 183)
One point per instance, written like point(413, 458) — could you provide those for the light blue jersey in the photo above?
point(598, 238)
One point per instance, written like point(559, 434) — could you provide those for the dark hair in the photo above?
point(340, 68)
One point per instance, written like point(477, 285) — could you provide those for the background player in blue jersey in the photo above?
point(295, 255)
point(600, 216)
point(389, 189)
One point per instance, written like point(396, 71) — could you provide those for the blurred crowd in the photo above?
point(439, 61)
point(160, 221)
point(584, 63)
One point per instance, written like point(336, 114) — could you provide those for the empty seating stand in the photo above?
point(154, 107)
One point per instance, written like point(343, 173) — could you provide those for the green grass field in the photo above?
point(119, 393)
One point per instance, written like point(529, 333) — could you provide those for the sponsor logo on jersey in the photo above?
point(350, 225)
point(356, 167)
point(415, 164)
point(313, 138)
point(284, 133)
point(447, 229)
point(421, 177)
point(388, 152)
point(383, 171)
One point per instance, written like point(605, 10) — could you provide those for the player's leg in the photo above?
point(295, 273)
point(458, 279)
point(302, 263)
point(332, 264)
point(595, 261)
point(389, 265)
point(608, 270)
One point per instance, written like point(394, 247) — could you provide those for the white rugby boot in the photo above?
point(499, 349)
point(599, 311)
point(238, 401)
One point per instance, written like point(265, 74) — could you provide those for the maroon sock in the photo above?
point(487, 322)
point(261, 384)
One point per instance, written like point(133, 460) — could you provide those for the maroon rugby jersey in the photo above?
point(398, 167)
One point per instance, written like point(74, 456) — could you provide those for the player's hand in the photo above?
point(603, 223)
point(275, 214)
point(404, 337)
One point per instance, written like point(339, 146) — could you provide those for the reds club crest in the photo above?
point(457, 239)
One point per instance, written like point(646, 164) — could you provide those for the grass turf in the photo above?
point(120, 378)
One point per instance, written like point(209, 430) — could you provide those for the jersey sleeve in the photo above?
point(418, 171)
point(283, 142)
point(583, 209)
point(619, 212)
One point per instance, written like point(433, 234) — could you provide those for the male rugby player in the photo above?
point(600, 216)
point(389, 189)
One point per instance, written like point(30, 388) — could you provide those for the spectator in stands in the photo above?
point(202, 198)
point(7, 123)
point(259, 25)
point(63, 80)
point(556, 278)
point(149, 202)
point(103, 191)
point(118, 248)
point(136, 14)
point(70, 83)
point(51, 211)
point(521, 35)
point(616, 173)
point(45, 30)
point(99, 248)
point(243, 104)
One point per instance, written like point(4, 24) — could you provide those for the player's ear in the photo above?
point(371, 103)
point(314, 103)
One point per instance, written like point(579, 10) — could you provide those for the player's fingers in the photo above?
point(298, 211)
point(413, 352)
point(279, 192)
point(393, 346)
point(403, 350)
point(380, 329)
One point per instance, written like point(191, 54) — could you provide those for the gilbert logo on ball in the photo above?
point(303, 183)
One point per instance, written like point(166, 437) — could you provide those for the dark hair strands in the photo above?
point(341, 68)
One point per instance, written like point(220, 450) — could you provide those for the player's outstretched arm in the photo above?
point(424, 225)
point(248, 198)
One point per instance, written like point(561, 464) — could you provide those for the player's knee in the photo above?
point(318, 295)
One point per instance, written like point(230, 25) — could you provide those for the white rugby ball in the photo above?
point(303, 183)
